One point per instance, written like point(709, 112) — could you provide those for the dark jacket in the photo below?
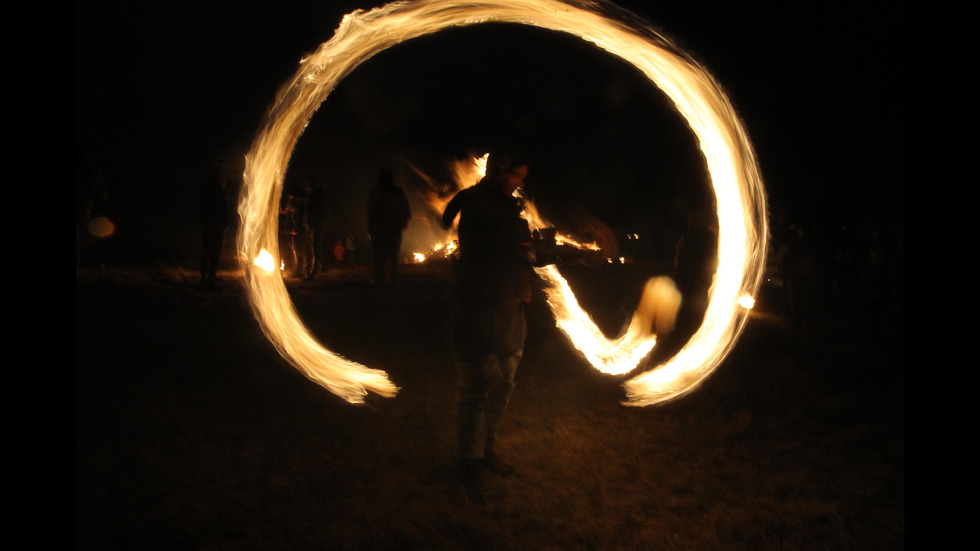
point(494, 244)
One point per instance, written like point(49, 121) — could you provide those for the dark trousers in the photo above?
point(386, 247)
point(489, 347)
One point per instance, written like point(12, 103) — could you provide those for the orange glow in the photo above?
point(101, 227)
point(729, 157)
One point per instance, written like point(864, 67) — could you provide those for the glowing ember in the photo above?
point(101, 227)
point(729, 157)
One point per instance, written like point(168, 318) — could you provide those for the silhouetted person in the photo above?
point(292, 229)
point(800, 267)
point(315, 223)
point(388, 215)
point(493, 282)
point(695, 263)
point(213, 213)
point(880, 283)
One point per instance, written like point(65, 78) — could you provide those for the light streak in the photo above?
point(613, 356)
point(729, 156)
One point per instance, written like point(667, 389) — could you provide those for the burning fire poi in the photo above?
point(730, 159)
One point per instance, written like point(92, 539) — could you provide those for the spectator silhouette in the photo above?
point(882, 292)
point(388, 215)
point(315, 224)
point(695, 263)
point(291, 224)
point(802, 267)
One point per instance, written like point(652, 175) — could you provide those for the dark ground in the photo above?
point(192, 433)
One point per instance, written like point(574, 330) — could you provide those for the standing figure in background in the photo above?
point(388, 216)
point(292, 231)
point(493, 282)
point(695, 264)
point(213, 214)
point(800, 267)
point(315, 223)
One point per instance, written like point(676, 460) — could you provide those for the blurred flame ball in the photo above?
point(101, 227)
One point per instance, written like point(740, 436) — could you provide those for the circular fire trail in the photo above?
point(729, 156)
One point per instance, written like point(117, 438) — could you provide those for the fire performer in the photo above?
point(493, 282)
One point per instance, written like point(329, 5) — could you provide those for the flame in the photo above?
point(613, 356)
point(746, 301)
point(564, 239)
point(265, 261)
point(439, 250)
point(466, 172)
point(729, 156)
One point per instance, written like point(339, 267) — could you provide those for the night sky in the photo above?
point(165, 93)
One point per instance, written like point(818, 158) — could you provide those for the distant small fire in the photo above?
point(729, 157)
point(438, 250)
